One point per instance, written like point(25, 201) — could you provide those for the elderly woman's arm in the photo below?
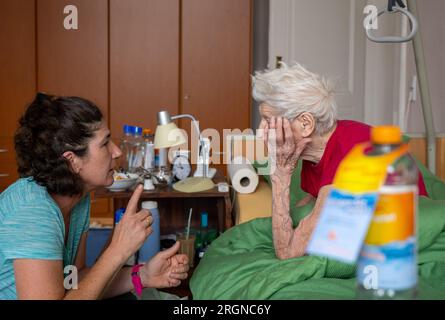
point(282, 230)
point(290, 242)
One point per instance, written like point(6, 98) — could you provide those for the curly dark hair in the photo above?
point(51, 126)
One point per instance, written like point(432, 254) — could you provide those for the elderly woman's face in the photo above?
point(267, 112)
point(97, 167)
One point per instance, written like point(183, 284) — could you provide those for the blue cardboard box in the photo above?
point(96, 241)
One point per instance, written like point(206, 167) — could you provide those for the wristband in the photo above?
point(136, 279)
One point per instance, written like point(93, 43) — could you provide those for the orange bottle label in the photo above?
point(394, 217)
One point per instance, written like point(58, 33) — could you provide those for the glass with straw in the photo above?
point(187, 241)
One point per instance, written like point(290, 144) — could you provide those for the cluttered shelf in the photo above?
point(169, 209)
point(168, 191)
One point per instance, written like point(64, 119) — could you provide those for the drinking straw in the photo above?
point(188, 224)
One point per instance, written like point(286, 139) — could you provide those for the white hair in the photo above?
point(293, 90)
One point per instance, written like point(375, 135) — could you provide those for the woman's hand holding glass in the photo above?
point(166, 269)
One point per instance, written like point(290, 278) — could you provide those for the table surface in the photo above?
point(167, 192)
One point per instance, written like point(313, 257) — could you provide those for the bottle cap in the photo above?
point(149, 205)
point(146, 132)
point(138, 131)
point(386, 135)
point(127, 129)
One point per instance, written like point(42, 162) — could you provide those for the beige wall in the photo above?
point(386, 90)
point(383, 95)
point(432, 26)
point(380, 75)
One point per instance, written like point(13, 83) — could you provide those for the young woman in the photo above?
point(64, 152)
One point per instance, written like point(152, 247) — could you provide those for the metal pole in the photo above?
point(424, 91)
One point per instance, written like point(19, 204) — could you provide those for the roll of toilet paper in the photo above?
point(242, 175)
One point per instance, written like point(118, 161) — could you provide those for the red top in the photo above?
point(347, 134)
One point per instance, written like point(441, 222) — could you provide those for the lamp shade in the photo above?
point(168, 135)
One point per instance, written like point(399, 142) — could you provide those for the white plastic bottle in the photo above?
point(137, 153)
point(152, 244)
point(149, 150)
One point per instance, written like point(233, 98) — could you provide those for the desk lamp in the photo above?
point(168, 135)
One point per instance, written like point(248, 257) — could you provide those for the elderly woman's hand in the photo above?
point(287, 150)
point(166, 269)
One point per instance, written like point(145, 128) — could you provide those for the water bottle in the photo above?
point(126, 144)
point(137, 150)
point(201, 237)
point(387, 266)
point(152, 244)
point(117, 218)
point(205, 236)
point(149, 150)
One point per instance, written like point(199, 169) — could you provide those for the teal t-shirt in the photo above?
point(32, 227)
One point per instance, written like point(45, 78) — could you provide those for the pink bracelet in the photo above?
point(136, 279)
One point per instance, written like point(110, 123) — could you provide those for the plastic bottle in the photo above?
point(126, 144)
point(149, 150)
point(387, 266)
point(117, 218)
point(200, 242)
point(205, 235)
point(152, 244)
point(137, 153)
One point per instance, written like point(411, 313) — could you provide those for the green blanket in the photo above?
point(241, 263)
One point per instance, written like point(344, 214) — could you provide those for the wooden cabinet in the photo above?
point(17, 77)
point(216, 64)
point(73, 62)
point(132, 58)
point(144, 61)
point(190, 56)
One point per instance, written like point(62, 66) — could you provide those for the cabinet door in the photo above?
point(144, 61)
point(74, 62)
point(216, 63)
point(17, 77)
point(328, 38)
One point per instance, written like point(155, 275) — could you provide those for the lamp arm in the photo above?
point(201, 141)
point(194, 121)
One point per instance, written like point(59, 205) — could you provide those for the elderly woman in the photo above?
point(64, 152)
point(300, 107)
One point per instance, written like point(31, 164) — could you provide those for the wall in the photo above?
point(432, 28)
point(326, 37)
point(380, 75)
point(384, 93)
point(387, 90)
point(260, 46)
